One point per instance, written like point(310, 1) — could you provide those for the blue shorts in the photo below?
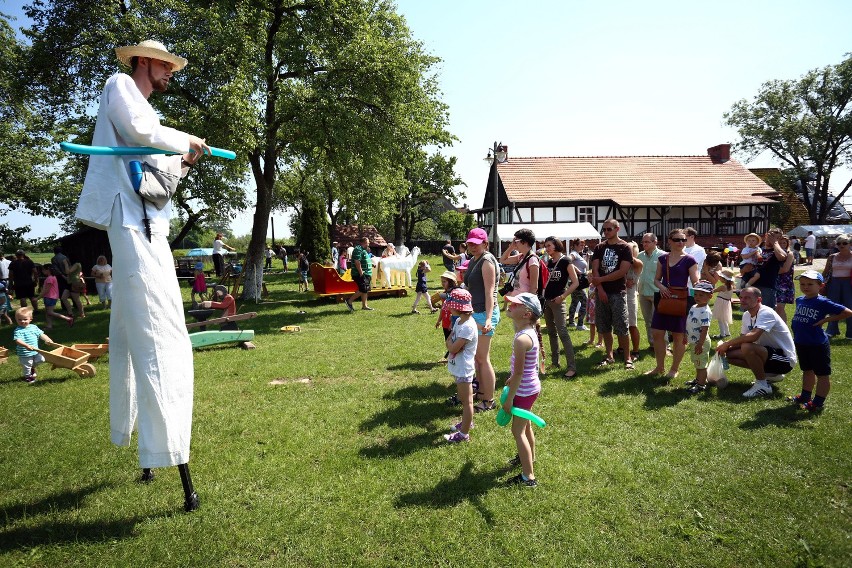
point(479, 318)
point(49, 302)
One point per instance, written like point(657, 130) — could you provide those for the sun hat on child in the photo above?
point(150, 48)
point(529, 301)
point(727, 274)
point(449, 276)
point(460, 300)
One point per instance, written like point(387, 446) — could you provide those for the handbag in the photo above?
point(675, 305)
point(582, 281)
point(155, 186)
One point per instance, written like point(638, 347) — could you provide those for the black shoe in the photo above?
point(519, 480)
point(349, 305)
point(191, 503)
point(515, 461)
point(147, 476)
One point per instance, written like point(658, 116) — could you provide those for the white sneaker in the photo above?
point(582, 328)
point(774, 378)
point(760, 388)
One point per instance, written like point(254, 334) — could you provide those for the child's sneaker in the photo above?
point(688, 384)
point(811, 407)
point(30, 379)
point(457, 437)
point(457, 426)
point(798, 400)
point(696, 388)
point(515, 461)
point(453, 400)
point(582, 327)
point(519, 480)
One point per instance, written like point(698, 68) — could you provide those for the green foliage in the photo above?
point(334, 87)
point(312, 237)
point(456, 225)
point(324, 448)
point(805, 123)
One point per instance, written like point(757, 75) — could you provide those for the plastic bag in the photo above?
point(716, 372)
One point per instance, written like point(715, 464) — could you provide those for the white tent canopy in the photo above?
point(562, 231)
point(820, 230)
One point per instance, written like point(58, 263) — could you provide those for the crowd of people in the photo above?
point(679, 291)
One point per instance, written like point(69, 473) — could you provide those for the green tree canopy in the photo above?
point(805, 123)
point(280, 82)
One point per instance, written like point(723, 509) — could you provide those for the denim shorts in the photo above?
point(479, 318)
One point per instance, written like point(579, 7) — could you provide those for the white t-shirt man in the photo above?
point(775, 332)
point(810, 242)
point(4, 268)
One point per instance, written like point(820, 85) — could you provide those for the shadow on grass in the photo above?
point(59, 532)
point(645, 385)
point(417, 405)
point(788, 416)
point(467, 485)
point(417, 366)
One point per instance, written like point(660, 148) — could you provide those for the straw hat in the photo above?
point(150, 48)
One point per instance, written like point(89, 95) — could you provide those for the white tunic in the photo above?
point(150, 365)
point(126, 118)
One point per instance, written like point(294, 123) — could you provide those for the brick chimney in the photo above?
point(720, 154)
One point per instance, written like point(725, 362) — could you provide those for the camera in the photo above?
point(507, 287)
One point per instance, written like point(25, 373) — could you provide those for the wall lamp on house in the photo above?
point(499, 154)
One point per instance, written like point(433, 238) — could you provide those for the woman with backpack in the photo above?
point(527, 274)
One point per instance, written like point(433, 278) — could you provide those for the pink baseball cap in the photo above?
point(477, 236)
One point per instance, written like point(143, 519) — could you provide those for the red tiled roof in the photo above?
point(352, 234)
point(633, 181)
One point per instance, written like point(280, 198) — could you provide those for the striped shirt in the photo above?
point(530, 384)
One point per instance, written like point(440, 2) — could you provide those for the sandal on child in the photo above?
point(629, 366)
point(485, 406)
point(605, 363)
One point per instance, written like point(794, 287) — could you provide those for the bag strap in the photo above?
point(145, 220)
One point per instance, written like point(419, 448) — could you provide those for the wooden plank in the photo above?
point(205, 338)
point(220, 321)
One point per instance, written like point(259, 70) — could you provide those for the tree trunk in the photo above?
point(255, 255)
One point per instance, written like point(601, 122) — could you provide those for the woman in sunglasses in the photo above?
point(673, 269)
point(837, 273)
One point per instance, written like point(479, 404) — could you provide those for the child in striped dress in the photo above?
point(524, 385)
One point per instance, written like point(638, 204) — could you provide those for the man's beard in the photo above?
point(159, 85)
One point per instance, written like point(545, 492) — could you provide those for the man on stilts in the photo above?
point(150, 363)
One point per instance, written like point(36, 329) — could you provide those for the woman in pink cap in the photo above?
point(481, 281)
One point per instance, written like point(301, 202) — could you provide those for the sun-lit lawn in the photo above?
point(324, 448)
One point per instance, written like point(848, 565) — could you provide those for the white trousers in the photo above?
point(150, 355)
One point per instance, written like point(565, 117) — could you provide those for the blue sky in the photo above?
point(572, 78)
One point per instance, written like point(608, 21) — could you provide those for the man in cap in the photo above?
point(151, 370)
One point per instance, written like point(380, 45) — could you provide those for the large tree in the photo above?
point(805, 123)
point(429, 183)
point(28, 182)
point(279, 81)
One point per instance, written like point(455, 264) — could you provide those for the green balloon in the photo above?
point(503, 418)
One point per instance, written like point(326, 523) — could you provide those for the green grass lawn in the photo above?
point(324, 448)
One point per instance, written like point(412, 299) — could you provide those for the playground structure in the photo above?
point(329, 284)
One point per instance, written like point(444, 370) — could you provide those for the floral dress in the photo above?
point(785, 290)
